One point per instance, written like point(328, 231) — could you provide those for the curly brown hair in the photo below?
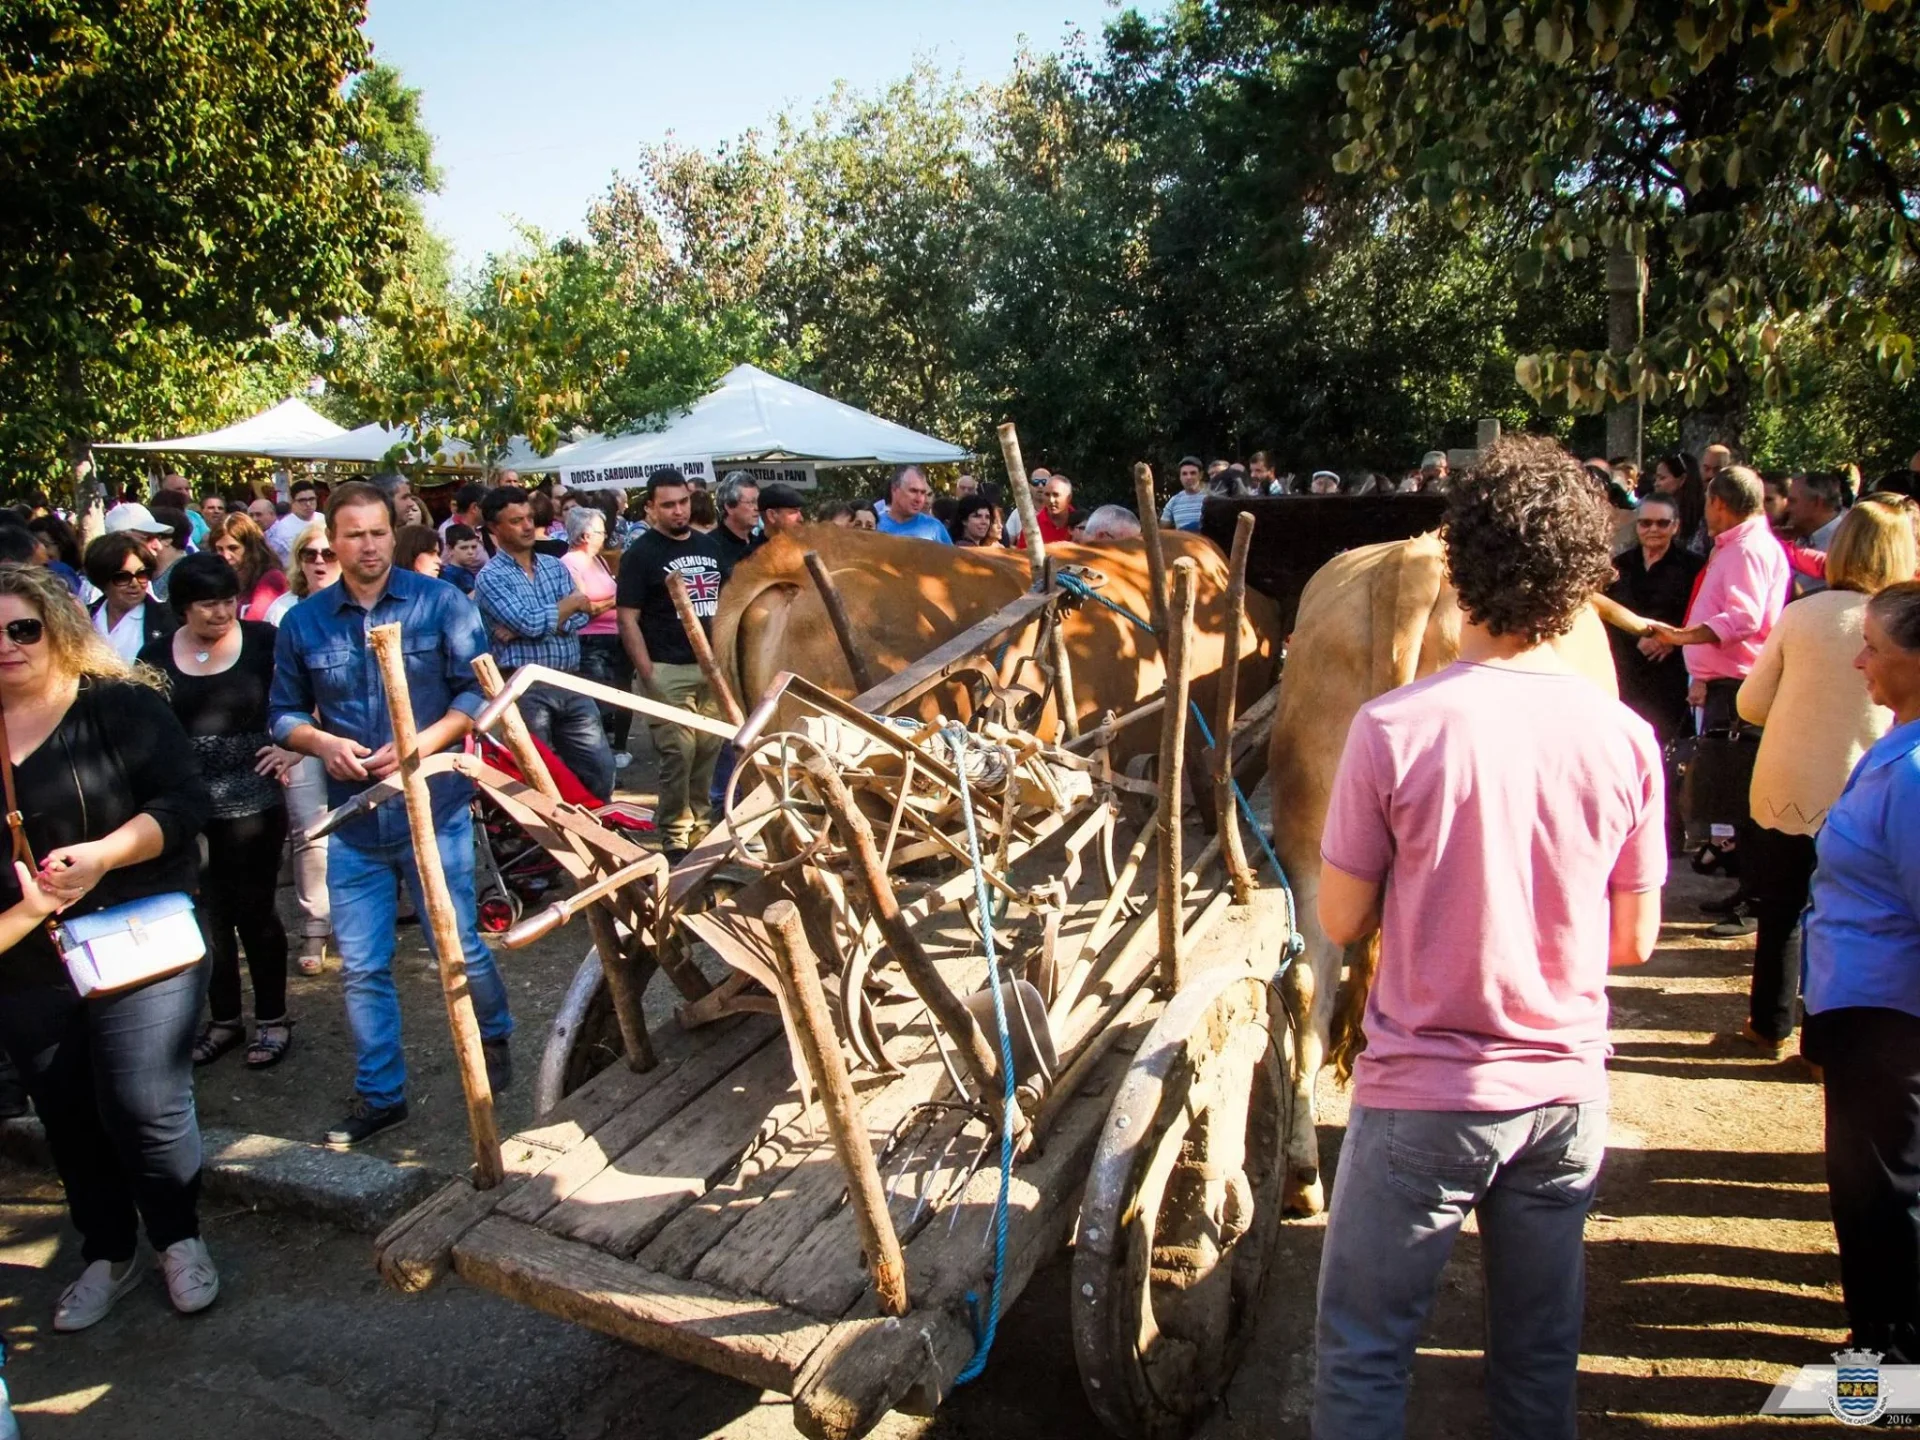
point(1528, 538)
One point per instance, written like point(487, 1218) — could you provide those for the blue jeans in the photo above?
point(363, 889)
point(1407, 1180)
point(569, 725)
point(112, 1080)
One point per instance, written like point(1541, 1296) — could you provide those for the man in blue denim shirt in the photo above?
point(536, 613)
point(328, 701)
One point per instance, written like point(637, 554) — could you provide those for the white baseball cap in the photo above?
point(132, 515)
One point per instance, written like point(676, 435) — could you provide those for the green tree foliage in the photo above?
point(181, 186)
point(1764, 158)
point(547, 339)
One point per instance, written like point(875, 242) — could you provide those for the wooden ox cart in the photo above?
point(942, 1004)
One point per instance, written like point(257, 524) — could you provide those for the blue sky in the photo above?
point(534, 107)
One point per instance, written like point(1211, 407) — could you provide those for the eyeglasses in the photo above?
point(132, 577)
point(1654, 524)
point(324, 555)
point(25, 632)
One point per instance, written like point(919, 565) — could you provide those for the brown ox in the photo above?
point(904, 597)
point(1369, 620)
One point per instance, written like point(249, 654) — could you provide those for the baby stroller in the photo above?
point(510, 870)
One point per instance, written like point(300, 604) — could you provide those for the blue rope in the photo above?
point(1074, 585)
point(956, 741)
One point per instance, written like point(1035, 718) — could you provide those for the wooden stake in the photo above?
point(626, 980)
point(703, 651)
point(384, 641)
point(1156, 556)
point(1173, 751)
point(1023, 500)
point(842, 626)
point(845, 1123)
point(1066, 704)
point(1239, 873)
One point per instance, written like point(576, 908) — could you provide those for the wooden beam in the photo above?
point(821, 1048)
point(1239, 873)
point(1156, 556)
point(384, 641)
point(933, 667)
point(1023, 500)
point(1173, 733)
point(703, 650)
point(842, 625)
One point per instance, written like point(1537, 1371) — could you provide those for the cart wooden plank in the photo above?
point(417, 1249)
point(694, 1077)
point(747, 1339)
point(629, 1201)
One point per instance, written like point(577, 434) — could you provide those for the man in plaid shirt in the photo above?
point(534, 611)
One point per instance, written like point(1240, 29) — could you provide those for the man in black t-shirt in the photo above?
point(662, 656)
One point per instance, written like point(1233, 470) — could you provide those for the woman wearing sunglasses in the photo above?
point(126, 614)
point(112, 803)
point(314, 568)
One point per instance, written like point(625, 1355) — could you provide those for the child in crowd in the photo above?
point(464, 557)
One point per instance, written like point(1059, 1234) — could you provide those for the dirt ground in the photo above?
point(1711, 1274)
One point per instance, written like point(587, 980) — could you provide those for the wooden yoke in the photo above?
point(384, 641)
point(1023, 501)
point(1234, 848)
point(626, 981)
point(1173, 734)
point(800, 976)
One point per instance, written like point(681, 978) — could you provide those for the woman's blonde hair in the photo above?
point(1872, 549)
point(76, 649)
point(296, 572)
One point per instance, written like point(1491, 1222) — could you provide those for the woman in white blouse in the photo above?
point(1818, 722)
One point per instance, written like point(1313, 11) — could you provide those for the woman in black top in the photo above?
point(219, 670)
point(111, 800)
point(1655, 579)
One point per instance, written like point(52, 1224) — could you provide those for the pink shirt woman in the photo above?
point(588, 564)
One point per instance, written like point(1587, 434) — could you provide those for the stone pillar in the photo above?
point(1486, 435)
point(1626, 321)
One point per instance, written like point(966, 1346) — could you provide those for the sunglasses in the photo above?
point(322, 555)
point(25, 632)
point(132, 577)
point(1654, 524)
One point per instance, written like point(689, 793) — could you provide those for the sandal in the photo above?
point(271, 1041)
point(313, 955)
point(215, 1039)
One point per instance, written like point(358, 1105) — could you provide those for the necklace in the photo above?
point(201, 656)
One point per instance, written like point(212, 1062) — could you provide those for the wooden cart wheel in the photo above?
point(583, 1040)
point(801, 814)
point(1181, 1210)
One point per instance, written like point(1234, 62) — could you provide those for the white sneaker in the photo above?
point(192, 1282)
point(87, 1300)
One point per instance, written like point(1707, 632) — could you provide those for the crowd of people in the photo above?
point(187, 694)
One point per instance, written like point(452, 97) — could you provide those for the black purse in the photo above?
point(1715, 775)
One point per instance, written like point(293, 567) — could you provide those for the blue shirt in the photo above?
point(1182, 512)
point(922, 526)
point(324, 673)
point(529, 606)
point(1862, 931)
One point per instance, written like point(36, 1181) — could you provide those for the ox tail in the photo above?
point(778, 562)
point(1346, 1037)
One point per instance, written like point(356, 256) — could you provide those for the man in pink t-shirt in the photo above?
point(1502, 825)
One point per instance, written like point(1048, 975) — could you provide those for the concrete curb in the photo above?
point(342, 1187)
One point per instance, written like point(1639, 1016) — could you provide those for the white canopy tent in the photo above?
point(290, 424)
point(751, 419)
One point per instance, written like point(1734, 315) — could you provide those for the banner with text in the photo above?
point(631, 477)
